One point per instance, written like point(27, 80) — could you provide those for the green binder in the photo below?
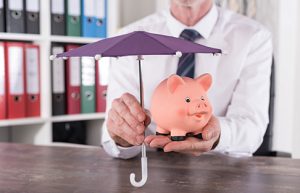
point(73, 15)
point(88, 103)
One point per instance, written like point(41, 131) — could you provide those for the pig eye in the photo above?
point(202, 98)
point(187, 99)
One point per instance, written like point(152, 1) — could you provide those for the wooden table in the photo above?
point(38, 169)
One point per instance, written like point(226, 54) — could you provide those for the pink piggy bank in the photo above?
point(180, 106)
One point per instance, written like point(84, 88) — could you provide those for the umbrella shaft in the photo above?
point(141, 85)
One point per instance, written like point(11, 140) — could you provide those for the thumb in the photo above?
point(210, 131)
point(148, 117)
point(207, 134)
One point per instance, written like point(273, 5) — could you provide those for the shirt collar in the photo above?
point(204, 26)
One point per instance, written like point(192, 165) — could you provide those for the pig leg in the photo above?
point(161, 131)
point(178, 135)
point(198, 135)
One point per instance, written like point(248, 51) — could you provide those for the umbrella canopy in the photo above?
point(139, 43)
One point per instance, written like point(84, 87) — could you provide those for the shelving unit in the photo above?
point(25, 121)
point(79, 40)
point(20, 37)
point(39, 130)
point(79, 117)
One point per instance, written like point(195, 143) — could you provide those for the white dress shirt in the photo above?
point(241, 77)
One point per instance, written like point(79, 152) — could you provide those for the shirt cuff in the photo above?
point(224, 142)
point(120, 152)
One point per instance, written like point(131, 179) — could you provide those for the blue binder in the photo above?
point(101, 18)
point(88, 18)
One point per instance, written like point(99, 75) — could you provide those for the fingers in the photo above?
point(120, 113)
point(149, 138)
point(148, 117)
point(189, 145)
point(126, 133)
point(212, 130)
point(112, 114)
point(126, 120)
point(155, 141)
point(134, 107)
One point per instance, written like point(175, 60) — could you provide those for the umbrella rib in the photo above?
point(217, 50)
point(160, 42)
point(123, 39)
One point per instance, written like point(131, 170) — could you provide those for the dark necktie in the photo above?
point(186, 64)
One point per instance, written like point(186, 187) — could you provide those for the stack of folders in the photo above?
point(86, 18)
point(20, 16)
point(19, 80)
point(78, 84)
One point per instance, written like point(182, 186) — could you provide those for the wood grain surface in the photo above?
point(42, 169)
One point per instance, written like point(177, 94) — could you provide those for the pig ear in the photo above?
point(205, 80)
point(173, 82)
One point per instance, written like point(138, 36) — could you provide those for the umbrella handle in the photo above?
point(144, 163)
point(144, 170)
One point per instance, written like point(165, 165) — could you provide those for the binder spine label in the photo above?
point(32, 71)
point(103, 71)
point(16, 70)
point(88, 71)
point(75, 71)
point(89, 8)
point(74, 7)
point(100, 9)
point(16, 5)
point(58, 6)
point(33, 6)
point(2, 71)
point(58, 76)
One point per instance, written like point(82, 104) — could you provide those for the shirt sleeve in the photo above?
point(112, 149)
point(246, 120)
point(123, 78)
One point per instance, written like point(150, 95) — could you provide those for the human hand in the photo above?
point(127, 121)
point(211, 134)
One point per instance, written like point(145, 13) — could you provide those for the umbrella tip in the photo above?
point(52, 57)
point(97, 56)
point(178, 54)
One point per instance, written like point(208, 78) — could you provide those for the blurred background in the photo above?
point(53, 112)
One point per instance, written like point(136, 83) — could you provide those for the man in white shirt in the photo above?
point(239, 94)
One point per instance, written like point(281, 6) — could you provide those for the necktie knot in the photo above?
point(190, 35)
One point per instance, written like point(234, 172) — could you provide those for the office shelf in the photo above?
point(23, 121)
point(78, 117)
point(69, 39)
point(20, 37)
point(39, 130)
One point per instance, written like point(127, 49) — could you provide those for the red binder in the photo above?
point(101, 82)
point(32, 77)
point(15, 81)
point(73, 83)
point(2, 82)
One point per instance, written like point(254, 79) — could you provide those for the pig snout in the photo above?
point(198, 106)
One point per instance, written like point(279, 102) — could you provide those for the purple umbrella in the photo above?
point(138, 43)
